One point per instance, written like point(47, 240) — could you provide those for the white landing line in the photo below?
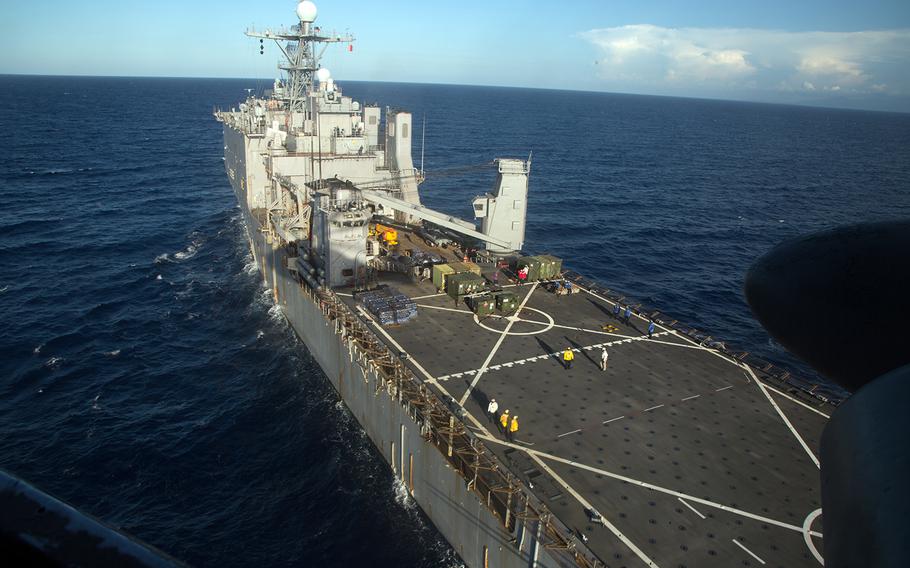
point(652, 408)
point(783, 417)
point(613, 420)
point(445, 309)
point(430, 378)
point(657, 488)
point(723, 388)
point(799, 402)
point(693, 509)
point(584, 503)
point(502, 337)
point(690, 397)
point(752, 554)
point(569, 433)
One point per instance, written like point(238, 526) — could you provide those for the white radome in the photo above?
point(306, 11)
point(323, 75)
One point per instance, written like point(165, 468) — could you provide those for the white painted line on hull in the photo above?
point(584, 503)
point(499, 341)
point(799, 402)
point(694, 510)
point(752, 554)
point(690, 397)
point(657, 488)
point(724, 388)
point(569, 433)
point(652, 408)
point(783, 416)
point(613, 420)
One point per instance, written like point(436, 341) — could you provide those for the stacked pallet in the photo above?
point(389, 306)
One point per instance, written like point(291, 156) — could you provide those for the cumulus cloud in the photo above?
point(656, 59)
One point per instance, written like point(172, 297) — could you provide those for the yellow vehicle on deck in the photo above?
point(388, 235)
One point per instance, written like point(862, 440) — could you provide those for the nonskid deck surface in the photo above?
point(690, 459)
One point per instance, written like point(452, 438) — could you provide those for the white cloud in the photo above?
point(647, 58)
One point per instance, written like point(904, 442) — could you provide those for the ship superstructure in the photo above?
point(679, 452)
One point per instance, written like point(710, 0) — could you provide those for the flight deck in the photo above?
point(675, 455)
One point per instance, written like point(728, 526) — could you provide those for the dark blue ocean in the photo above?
point(146, 378)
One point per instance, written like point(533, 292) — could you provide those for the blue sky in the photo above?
point(831, 53)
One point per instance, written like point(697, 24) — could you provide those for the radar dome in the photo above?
point(323, 75)
point(306, 11)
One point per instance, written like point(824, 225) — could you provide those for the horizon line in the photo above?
point(620, 93)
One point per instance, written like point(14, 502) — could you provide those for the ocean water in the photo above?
point(146, 378)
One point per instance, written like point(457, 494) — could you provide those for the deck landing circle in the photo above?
point(807, 525)
point(545, 326)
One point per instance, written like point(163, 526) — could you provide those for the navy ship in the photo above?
point(536, 416)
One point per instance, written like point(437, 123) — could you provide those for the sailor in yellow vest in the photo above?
point(513, 427)
point(504, 422)
point(567, 357)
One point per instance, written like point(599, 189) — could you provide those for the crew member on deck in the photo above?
point(567, 357)
point(504, 422)
point(603, 359)
point(491, 410)
point(513, 427)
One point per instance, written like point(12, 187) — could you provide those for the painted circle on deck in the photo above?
point(807, 526)
point(547, 326)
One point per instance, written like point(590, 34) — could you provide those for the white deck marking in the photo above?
point(657, 488)
point(694, 510)
point(345, 295)
point(445, 309)
point(652, 408)
point(783, 416)
point(569, 433)
point(690, 397)
point(429, 296)
point(555, 355)
point(723, 388)
point(584, 503)
point(613, 420)
point(499, 341)
point(752, 554)
point(807, 524)
point(799, 402)
point(430, 378)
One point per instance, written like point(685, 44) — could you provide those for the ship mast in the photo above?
point(300, 45)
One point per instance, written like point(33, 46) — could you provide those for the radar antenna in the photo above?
point(299, 44)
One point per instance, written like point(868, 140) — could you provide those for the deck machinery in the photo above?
point(680, 453)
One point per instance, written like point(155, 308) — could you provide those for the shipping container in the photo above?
point(460, 267)
point(506, 302)
point(440, 271)
point(550, 267)
point(481, 305)
point(533, 264)
point(458, 285)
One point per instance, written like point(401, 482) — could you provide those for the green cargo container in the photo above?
point(440, 271)
point(533, 264)
point(482, 305)
point(460, 267)
point(506, 302)
point(458, 285)
point(550, 267)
